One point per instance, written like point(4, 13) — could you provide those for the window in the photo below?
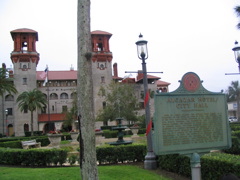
point(102, 79)
point(24, 81)
point(44, 110)
point(64, 108)
point(52, 108)
point(53, 96)
point(9, 98)
point(64, 96)
point(104, 104)
point(10, 111)
point(26, 127)
point(24, 46)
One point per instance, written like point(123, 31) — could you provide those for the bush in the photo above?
point(16, 142)
point(72, 159)
point(122, 153)
point(142, 131)
point(11, 144)
point(32, 157)
point(28, 133)
point(235, 126)
point(110, 134)
point(37, 133)
point(235, 149)
point(213, 165)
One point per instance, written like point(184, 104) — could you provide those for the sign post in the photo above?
point(190, 121)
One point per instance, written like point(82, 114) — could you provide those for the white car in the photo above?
point(232, 119)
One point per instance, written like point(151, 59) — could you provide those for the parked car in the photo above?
point(232, 119)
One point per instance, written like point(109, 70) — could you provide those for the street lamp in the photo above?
point(150, 159)
point(6, 112)
point(236, 50)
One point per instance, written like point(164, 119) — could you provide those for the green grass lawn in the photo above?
point(121, 172)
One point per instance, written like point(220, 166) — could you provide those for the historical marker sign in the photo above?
point(190, 119)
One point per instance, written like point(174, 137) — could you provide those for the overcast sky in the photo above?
point(183, 36)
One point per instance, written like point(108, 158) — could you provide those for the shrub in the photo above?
point(72, 159)
point(121, 153)
point(16, 142)
point(213, 165)
point(235, 149)
point(142, 131)
point(28, 133)
point(32, 157)
point(110, 134)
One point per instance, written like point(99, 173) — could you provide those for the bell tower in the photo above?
point(101, 65)
point(25, 59)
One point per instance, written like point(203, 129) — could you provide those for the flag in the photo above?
point(149, 127)
point(43, 75)
point(45, 81)
point(146, 99)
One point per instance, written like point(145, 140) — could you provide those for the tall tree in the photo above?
point(88, 160)
point(31, 100)
point(234, 94)
point(237, 11)
point(71, 115)
point(6, 83)
point(120, 102)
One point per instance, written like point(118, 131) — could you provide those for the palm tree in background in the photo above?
point(31, 100)
point(237, 11)
point(234, 94)
point(6, 83)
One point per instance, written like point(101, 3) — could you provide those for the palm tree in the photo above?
point(237, 11)
point(31, 100)
point(234, 94)
point(6, 83)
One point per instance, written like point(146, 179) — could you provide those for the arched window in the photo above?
point(64, 96)
point(53, 96)
point(26, 127)
point(9, 97)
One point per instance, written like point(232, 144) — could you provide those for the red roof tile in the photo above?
point(24, 30)
point(162, 83)
point(58, 75)
point(53, 117)
point(97, 32)
point(140, 77)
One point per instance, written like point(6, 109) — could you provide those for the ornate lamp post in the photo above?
point(6, 112)
point(150, 159)
point(236, 50)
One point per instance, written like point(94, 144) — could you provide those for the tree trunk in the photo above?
point(85, 94)
point(31, 123)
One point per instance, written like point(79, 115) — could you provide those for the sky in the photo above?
point(183, 36)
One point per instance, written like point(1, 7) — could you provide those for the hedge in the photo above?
point(110, 134)
point(121, 153)
point(16, 143)
point(235, 149)
point(213, 165)
point(33, 157)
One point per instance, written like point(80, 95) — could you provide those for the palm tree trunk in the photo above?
point(31, 123)
point(88, 159)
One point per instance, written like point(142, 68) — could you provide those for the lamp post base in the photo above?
point(150, 161)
